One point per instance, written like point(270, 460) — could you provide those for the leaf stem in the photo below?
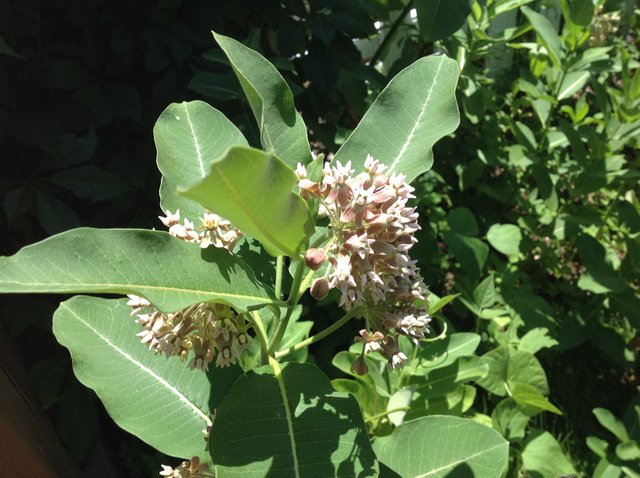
point(384, 414)
point(292, 300)
point(320, 335)
point(261, 333)
point(279, 267)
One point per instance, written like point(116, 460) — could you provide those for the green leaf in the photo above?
point(611, 423)
point(90, 182)
point(188, 137)
point(415, 110)
point(170, 273)
point(543, 457)
point(485, 293)
point(441, 446)
point(528, 397)
point(535, 340)
point(509, 367)
point(628, 450)
point(509, 419)
point(5, 49)
point(438, 19)
point(440, 302)
point(253, 190)
point(282, 130)
point(445, 380)
point(130, 380)
point(454, 403)
point(215, 85)
point(572, 82)
point(505, 238)
point(593, 256)
point(443, 353)
point(470, 251)
point(462, 221)
point(287, 421)
point(548, 35)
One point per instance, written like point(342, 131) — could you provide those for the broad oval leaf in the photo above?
point(188, 137)
point(287, 421)
point(508, 367)
point(170, 273)
point(505, 238)
point(442, 353)
point(416, 109)
point(543, 456)
point(441, 446)
point(157, 399)
point(254, 190)
point(282, 129)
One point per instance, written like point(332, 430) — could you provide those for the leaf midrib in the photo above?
point(142, 367)
point(254, 218)
point(112, 286)
point(417, 122)
point(462, 460)
point(195, 141)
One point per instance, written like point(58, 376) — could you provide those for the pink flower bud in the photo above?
point(314, 258)
point(319, 288)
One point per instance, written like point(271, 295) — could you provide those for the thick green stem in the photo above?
point(261, 333)
point(384, 414)
point(292, 300)
point(279, 268)
point(320, 335)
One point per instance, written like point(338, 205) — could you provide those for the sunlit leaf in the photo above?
point(157, 399)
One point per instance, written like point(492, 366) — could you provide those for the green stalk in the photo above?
point(384, 414)
point(279, 267)
point(292, 300)
point(261, 333)
point(320, 335)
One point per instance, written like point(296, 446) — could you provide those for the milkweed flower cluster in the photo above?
point(213, 230)
point(367, 256)
point(208, 330)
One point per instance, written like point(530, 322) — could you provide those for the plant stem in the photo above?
point(392, 31)
point(320, 335)
point(292, 300)
point(384, 414)
point(261, 333)
point(279, 267)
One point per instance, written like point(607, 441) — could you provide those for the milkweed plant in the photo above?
point(206, 360)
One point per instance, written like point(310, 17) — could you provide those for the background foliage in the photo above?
point(529, 215)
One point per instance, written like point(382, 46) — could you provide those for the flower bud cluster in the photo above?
point(213, 230)
point(188, 469)
point(368, 254)
point(209, 330)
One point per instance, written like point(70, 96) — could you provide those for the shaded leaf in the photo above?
point(281, 127)
point(439, 18)
point(509, 367)
point(287, 420)
point(90, 182)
